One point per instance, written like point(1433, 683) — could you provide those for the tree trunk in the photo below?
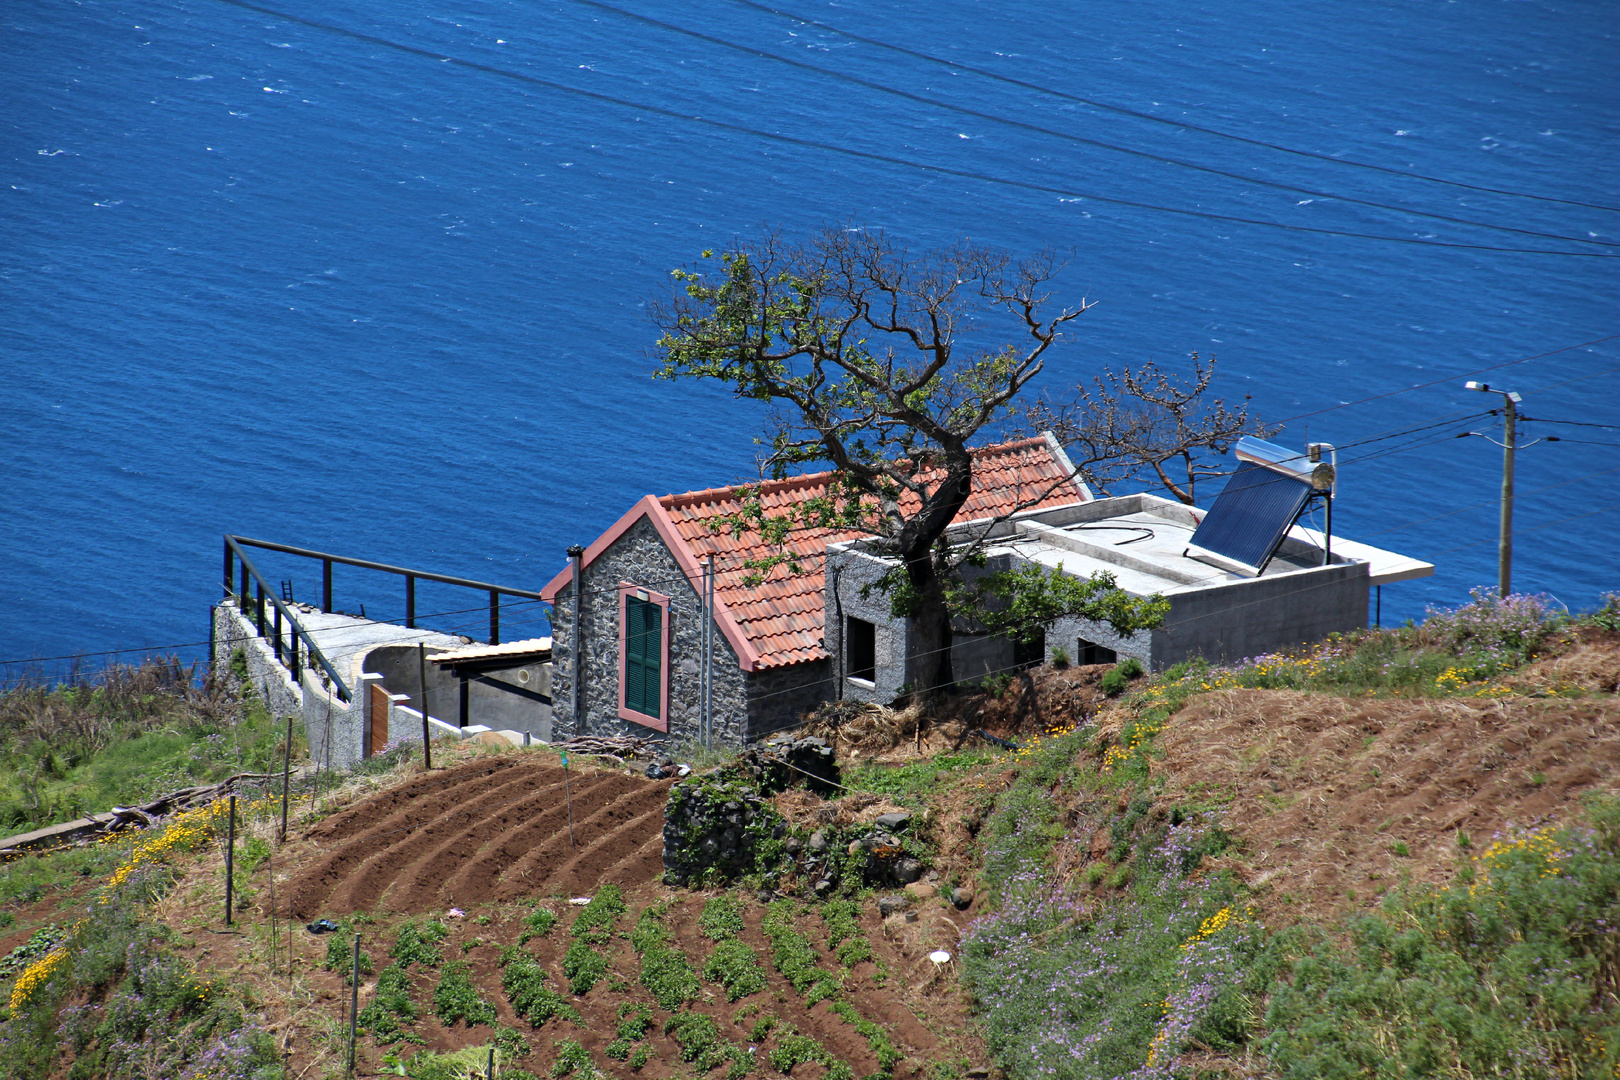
point(928, 660)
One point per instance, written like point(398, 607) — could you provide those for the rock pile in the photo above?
point(787, 760)
point(719, 823)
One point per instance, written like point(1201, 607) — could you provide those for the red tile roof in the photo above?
point(779, 621)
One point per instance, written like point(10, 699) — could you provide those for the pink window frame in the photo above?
point(660, 722)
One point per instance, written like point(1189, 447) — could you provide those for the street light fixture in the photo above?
point(1504, 548)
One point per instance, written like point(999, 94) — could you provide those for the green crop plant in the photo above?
point(391, 1006)
point(664, 970)
point(525, 983)
point(416, 943)
point(584, 966)
point(456, 998)
point(883, 1048)
point(538, 923)
point(795, 957)
point(844, 934)
point(595, 920)
point(721, 918)
point(736, 966)
point(340, 953)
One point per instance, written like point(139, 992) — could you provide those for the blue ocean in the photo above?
point(372, 278)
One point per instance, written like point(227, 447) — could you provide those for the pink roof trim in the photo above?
point(649, 507)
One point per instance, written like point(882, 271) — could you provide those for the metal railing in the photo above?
point(235, 556)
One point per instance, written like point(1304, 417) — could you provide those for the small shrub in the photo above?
point(525, 984)
point(1118, 679)
point(455, 998)
point(416, 941)
point(584, 966)
point(721, 918)
point(1060, 656)
point(736, 966)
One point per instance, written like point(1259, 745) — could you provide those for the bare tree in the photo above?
point(1133, 421)
point(863, 347)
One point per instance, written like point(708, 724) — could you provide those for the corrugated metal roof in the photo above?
point(538, 648)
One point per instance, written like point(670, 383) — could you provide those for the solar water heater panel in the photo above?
point(1250, 517)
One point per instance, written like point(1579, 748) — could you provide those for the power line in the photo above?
point(1160, 119)
point(1579, 442)
point(1574, 423)
point(1462, 375)
point(1026, 126)
point(1489, 502)
point(887, 159)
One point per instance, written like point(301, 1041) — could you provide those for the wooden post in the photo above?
point(286, 779)
point(421, 686)
point(230, 863)
point(354, 1001)
point(568, 793)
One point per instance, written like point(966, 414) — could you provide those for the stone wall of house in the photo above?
point(778, 698)
point(640, 557)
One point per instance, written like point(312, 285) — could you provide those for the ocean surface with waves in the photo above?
point(371, 278)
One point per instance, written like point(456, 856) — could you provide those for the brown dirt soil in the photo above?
point(1586, 658)
point(1321, 789)
point(492, 830)
point(489, 835)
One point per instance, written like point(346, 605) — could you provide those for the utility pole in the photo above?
point(1504, 548)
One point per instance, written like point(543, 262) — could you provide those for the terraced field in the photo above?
point(489, 831)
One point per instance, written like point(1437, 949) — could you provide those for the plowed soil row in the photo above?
point(1338, 800)
point(877, 989)
point(490, 831)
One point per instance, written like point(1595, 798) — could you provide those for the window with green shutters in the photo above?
point(643, 656)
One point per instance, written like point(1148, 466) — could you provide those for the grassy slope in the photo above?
point(1124, 923)
point(125, 737)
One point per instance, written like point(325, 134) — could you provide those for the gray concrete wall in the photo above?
point(1068, 633)
point(1262, 615)
point(503, 700)
point(401, 671)
point(273, 682)
point(331, 726)
point(848, 571)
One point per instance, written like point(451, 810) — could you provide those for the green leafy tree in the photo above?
point(865, 350)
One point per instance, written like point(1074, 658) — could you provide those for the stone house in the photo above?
point(638, 648)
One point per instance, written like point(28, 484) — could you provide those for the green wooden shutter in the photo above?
point(643, 661)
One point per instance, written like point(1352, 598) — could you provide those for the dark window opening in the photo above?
point(643, 661)
point(1031, 653)
point(1088, 653)
point(860, 649)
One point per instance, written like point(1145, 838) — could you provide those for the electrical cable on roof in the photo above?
point(1161, 119)
point(1023, 125)
point(887, 159)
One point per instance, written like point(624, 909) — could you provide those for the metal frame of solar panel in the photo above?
point(1254, 512)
